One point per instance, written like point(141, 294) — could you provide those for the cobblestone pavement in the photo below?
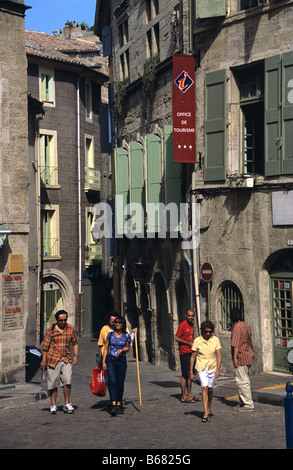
point(159, 422)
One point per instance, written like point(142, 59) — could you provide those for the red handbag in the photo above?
point(98, 384)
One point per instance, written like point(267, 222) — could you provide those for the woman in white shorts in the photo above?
point(207, 351)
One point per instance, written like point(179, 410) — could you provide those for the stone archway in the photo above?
point(61, 295)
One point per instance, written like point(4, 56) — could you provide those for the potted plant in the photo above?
point(243, 180)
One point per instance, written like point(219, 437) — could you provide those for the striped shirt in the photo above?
point(57, 345)
point(241, 339)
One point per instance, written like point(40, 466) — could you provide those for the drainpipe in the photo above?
point(38, 220)
point(194, 252)
point(79, 200)
point(190, 279)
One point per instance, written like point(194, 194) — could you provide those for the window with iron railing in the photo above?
point(50, 245)
point(230, 297)
point(93, 250)
point(92, 174)
point(48, 158)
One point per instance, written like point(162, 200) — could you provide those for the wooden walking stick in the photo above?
point(137, 367)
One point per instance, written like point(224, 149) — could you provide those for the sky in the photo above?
point(51, 15)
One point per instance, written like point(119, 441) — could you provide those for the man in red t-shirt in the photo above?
point(184, 338)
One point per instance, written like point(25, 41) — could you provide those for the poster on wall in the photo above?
point(183, 108)
point(12, 302)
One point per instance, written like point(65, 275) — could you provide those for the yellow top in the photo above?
point(206, 352)
point(103, 337)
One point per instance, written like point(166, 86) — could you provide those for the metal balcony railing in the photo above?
point(92, 179)
point(50, 247)
point(49, 175)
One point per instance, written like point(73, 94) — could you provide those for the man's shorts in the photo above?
point(185, 364)
point(59, 376)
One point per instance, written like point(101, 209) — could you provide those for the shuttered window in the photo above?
point(48, 158)
point(50, 231)
point(139, 182)
point(215, 126)
point(47, 86)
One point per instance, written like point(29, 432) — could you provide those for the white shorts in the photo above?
point(207, 377)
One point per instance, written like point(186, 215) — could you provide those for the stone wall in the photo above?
point(13, 189)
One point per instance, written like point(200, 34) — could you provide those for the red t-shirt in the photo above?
point(185, 332)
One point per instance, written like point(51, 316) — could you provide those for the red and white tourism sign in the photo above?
point(183, 108)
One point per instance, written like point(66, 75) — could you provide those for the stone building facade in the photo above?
point(70, 163)
point(242, 178)
point(14, 210)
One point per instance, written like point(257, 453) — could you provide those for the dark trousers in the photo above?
point(116, 372)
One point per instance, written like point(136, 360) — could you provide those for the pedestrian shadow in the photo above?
point(197, 413)
point(229, 403)
point(177, 396)
point(102, 405)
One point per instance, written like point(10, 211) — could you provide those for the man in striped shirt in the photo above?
point(242, 357)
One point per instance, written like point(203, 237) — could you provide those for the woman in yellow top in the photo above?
point(207, 351)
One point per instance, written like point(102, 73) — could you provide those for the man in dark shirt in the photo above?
point(184, 337)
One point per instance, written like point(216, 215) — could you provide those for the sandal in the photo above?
point(205, 420)
point(192, 400)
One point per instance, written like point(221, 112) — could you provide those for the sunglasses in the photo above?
point(120, 322)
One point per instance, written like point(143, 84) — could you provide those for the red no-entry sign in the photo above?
point(207, 272)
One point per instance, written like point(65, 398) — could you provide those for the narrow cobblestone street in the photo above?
point(161, 422)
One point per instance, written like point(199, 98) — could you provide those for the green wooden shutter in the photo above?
point(273, 115)
point(43, 151)
point(210, 8)
point(287, 124)
point(121, 186)
point(215, 126)
point(153, 178)
point(43, 87)
point(50, 90)
point(172, 179)
point(137, 183)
